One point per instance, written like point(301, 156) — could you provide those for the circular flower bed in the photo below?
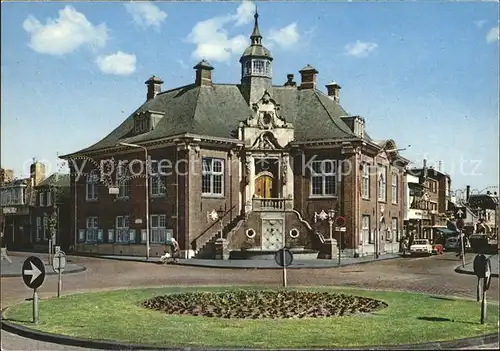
point(257, 304)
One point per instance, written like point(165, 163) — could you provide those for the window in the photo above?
point(38, 228)
point(433, 206)
point(158, 178)
point(365, 230)
point(49, 198)
point(121, 229)
point(45, 227)
point(395, 187)
point(394, 229)
point(259, 67)
point(323, 178)
point(212, 182)
point(123, 182)
point(91, 186)
point(40, 199)
point(268, 68)
point(247, 68)
point(366, 181)
point(91, 232)
point(141, 124)
point(158, 229)
point(382, 183)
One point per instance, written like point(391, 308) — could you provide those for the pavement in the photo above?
point(259, 264)
point(430, 275)
point(469, 269)
point(14, 269)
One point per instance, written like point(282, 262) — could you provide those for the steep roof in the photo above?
point(57, 180)
point(215, 111)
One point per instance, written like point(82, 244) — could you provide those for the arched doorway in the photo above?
point(264, 185)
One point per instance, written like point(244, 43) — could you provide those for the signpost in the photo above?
point(460, 225)
point(58, 265)
point(482, 268)
point(284, 258)
point(340, 223)
point(460, 213)
point(33, 273)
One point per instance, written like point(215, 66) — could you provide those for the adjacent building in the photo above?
point(256, 162)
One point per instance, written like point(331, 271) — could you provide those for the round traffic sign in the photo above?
point(283, 257)
point(33, 272)
point(340, 221)
point(59, 262)
point(479, 265)
point(460, 223)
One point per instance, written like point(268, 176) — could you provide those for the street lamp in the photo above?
point(323, 216)
point(147, 191)
point(377, 210)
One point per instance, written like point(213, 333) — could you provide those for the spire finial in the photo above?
point(256, 36)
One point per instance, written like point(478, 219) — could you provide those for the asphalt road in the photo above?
point(433, 275)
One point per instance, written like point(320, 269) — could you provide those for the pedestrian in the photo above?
point(175, 250)
point(3, 249)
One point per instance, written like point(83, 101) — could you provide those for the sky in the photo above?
point(425, 74)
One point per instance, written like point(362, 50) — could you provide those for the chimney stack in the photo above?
point(203, 73)
point(289, 81)
point(467, 193)
point(154, 87)
point(333, 90)
point(308, 77)
point(425, 169)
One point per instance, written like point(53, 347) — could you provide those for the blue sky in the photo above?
point(422, 73)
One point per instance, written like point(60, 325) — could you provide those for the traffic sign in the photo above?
point(59, 262)
point(460, 224)
point(33, 272)
point(287, 256)
point(340, 229)
point(340, 221)
point(460, 213)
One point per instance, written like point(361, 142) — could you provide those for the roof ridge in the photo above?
point(195, 109)
point(328, 113)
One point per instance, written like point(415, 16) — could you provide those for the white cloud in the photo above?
point(286, 36)
point(493, 35)
point(244, 13)
point(65, 34)
point(480, 23)
point(360, 49)
point(182, 63)
point(212, 39)
point(146, 14)
point(119, 63)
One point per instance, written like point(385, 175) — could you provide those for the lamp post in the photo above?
point(146, 173)
point(377, 209)
point(220, 214)
point(323, 216)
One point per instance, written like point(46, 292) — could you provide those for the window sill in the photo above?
point(123, 198)
point(212, 196)
point(320, 197)
point(92, 200)
point(158, 196)
point(365, 198)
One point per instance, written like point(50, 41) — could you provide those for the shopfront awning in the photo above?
point(446, 231)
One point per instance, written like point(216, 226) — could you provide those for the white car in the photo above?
point(421, 247)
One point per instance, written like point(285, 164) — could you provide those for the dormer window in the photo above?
point(141, 124)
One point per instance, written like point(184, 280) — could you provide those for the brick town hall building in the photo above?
point(254, 158)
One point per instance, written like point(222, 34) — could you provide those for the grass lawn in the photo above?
point(117, 315)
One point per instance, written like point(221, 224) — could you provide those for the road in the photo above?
point(433, 275)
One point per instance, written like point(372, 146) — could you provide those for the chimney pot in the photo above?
point(154, 87)
point(333, 90)
point(203, 73)
point(290, 82)
point(308, 77)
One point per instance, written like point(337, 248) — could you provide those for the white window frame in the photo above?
point(395, 187)
point(123, 182)
point(38, 228)
point(45, 228)
point(211, 174)
point(91, 229)
point(91, 190)
point(41, 200)
point(382, 183)
point(158, 227)
point(257, 68)
point(157, 179)
point(365, 229)
point(122, 226)
point(49, 198)
point(366, 181)
point(324, 176)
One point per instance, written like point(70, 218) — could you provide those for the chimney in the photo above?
point(425, 169)
point(154, 87)
point(308, 77)
point(440, 166)
point(289, 81)
point(37, 172)
point(203, 73)
point(333, 90)
point(467, 193)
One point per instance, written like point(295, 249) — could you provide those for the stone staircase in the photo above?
point(206, 246)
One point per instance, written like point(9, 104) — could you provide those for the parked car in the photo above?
point(421, 247)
